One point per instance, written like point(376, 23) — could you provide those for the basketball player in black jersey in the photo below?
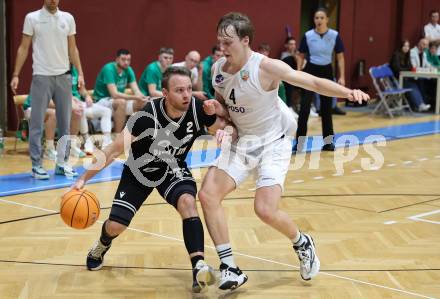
point(159, 138)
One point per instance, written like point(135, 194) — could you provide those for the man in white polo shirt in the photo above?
point(432, 29)
point(52, 34)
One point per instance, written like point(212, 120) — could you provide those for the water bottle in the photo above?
point(2, 143)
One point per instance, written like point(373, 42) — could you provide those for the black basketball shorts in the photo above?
point(131, 193)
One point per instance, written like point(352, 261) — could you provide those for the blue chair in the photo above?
point(392, 98)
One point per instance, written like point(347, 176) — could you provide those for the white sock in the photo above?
point(224, 252)
point(299, 239)
point(50, 144)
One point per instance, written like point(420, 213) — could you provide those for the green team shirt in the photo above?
point(27, 103)
point(151, 75)
point(74, 74)
point(109, 75)
point(282, 92)
point(432, 59)
point(207, 79)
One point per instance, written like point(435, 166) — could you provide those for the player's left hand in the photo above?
point(357, 95)
point(209, 107)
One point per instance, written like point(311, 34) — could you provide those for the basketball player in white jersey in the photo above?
point(246, 83)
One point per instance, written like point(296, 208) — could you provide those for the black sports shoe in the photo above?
point(231, 278)
point(203, 276)
point(330, 147)
point(95, 258)
point(338, 111)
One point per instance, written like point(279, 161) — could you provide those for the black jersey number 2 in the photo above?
point(232, 96)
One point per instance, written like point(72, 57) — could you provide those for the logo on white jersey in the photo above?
point(219, 79)
point(244, 74)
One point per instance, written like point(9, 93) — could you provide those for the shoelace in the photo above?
point(304, 253)
point(97, 250)
point(226, 273)
point(40, 170)
point(68, 169)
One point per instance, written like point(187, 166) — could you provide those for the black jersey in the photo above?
point(163, 143)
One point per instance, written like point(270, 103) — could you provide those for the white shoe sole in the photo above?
point(97, 268)
point(243, 280)
point(205, 277)
point(315, 266)
point(40, 177)
point(315, 270)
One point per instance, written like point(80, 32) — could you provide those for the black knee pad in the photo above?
point(121, 215)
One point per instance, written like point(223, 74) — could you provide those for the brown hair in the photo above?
point(174, 70)
point(241, 24)
point(166, 51)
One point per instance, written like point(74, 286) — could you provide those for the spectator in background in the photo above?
point(53, 42)
point(434, 61)
point(50, 125)
point(264, 49)
point(192, 63)
point(432, 29)
point(290, 48)
point(207, 63)
point(91, 111)
point(290, 57)
point(418, 54)
point(110, 86)
point(420, 60)
point(319, 44)
point(400, 61)
point(431, 55)
point(150, 82)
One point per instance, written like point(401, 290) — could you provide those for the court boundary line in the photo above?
point(297, 197)
point(419, 217)
point(188, 269)
point(253, 257)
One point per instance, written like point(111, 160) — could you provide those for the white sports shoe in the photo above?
point(313, 112)
point(309, 262)
point(77, 152)
point(203, 276)
point(88, 146)
point(231, 278)
point(423, 107)
point(106, 140)
point(50, 154)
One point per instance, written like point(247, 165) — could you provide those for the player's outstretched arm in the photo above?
point(110, 153)
point(277, 70)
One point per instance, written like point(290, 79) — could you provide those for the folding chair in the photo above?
point(392, 98)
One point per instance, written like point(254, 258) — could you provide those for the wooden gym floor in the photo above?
point(377, 233)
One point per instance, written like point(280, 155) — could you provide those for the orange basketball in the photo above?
point(79, 209)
